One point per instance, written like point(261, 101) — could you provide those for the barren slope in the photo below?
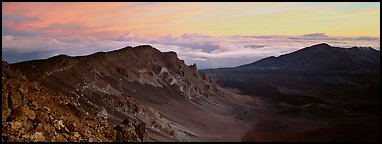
point(177, 101)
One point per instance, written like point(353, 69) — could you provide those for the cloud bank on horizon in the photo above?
point(209, 34)
point(206, 51)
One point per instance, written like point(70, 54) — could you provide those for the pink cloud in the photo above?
point(84, 28)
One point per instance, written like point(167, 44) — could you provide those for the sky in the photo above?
point(218, 34)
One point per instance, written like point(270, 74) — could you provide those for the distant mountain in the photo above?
point(321, 57)
point(316, 74)
point(319, 84)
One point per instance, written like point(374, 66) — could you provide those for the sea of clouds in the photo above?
point(206, 51)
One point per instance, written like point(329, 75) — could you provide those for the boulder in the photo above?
point(44, 128)
point(15, 125)
point(22, 114)
point(193, 67)
point(126, 132)
point(38, 137)
point(23, 90)
point(141, 131)
point(16, 100)
point(58, 138)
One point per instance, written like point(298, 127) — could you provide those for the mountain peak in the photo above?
point(321, 56)
point(148, 47)
point(140, 48)
point(362, 48)
point(321, 45)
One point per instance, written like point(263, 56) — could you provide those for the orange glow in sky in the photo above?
point(158, 19)
point(213, 34)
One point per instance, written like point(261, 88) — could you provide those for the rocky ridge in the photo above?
point(143, 85)
point(32, 113)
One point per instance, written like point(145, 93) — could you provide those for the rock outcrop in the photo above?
point(130, 131)
point(32, 114)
